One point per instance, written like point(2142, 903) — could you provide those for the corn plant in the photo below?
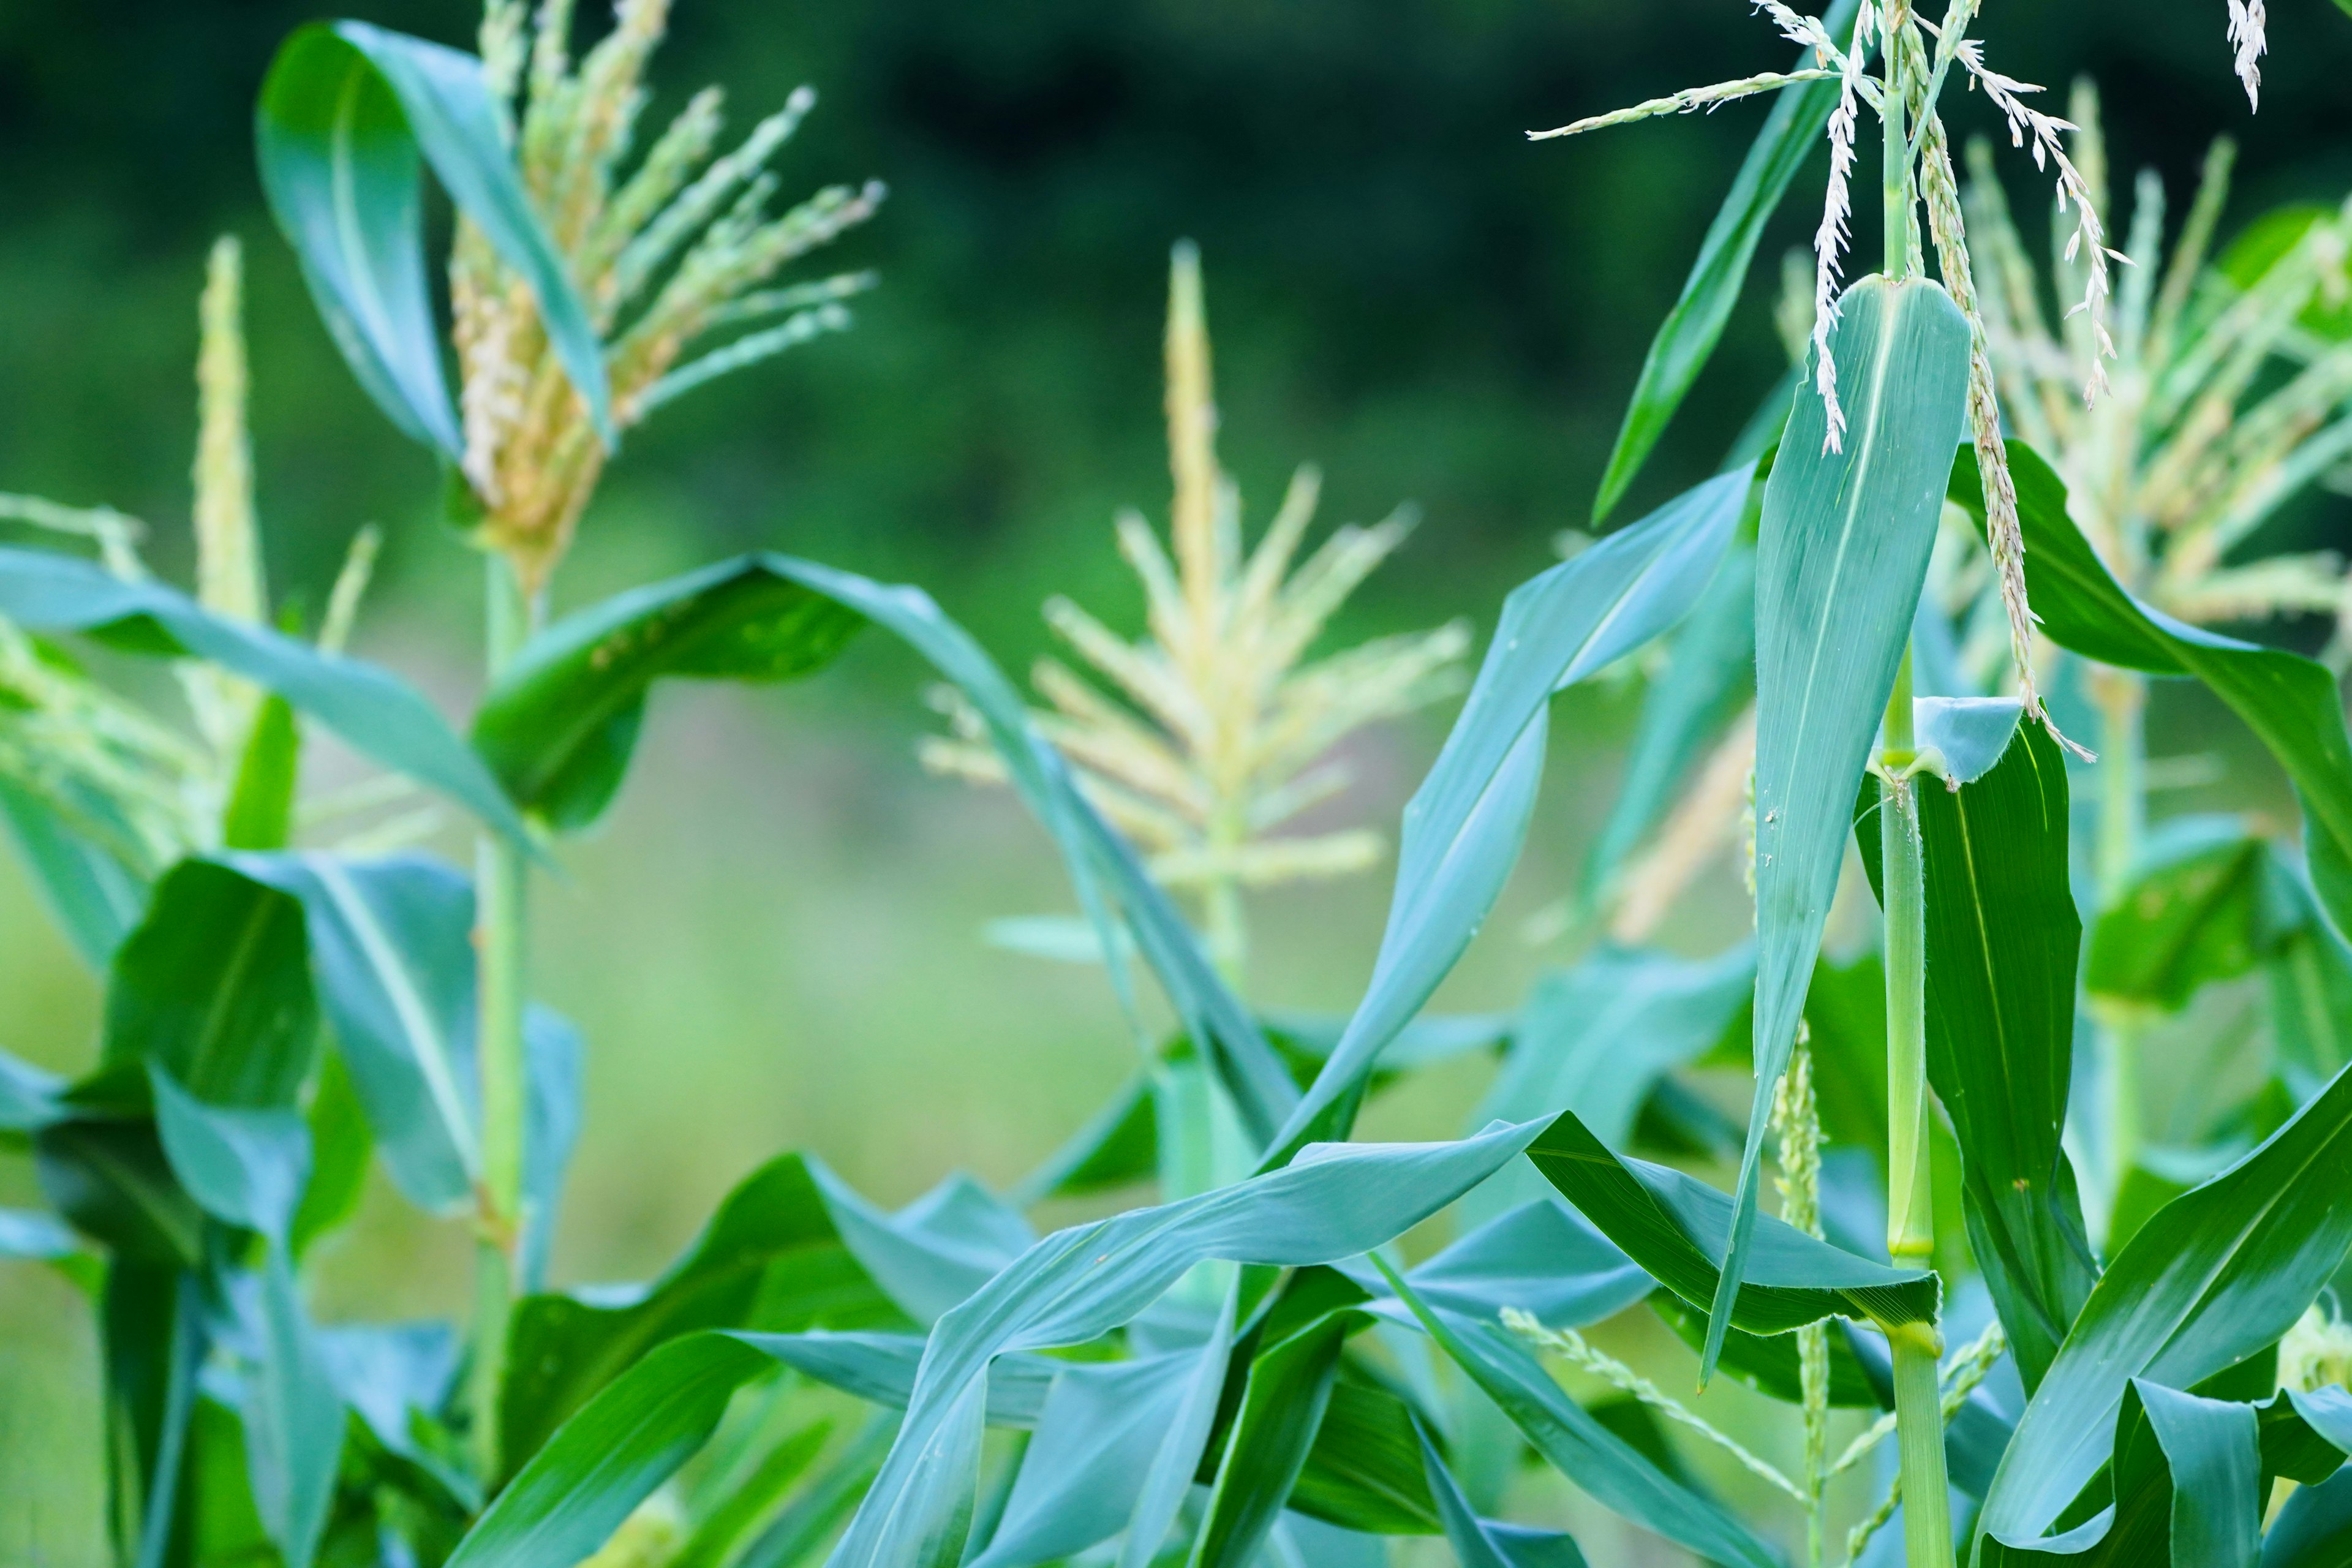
point(1250, 1368)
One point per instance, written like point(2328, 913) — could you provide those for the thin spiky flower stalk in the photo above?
point(1796, 1121)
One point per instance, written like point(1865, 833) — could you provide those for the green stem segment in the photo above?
point(502, 880)
point(1901, 235)
point(1919, 1446)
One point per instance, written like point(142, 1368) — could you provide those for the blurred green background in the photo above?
point(775, 941)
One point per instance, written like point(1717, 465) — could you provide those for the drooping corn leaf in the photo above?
point(561, 721)
point(1841, 553)
point(1483, 1543)
point(343, 113)
point(373, 712)
point(1767, 1362)
point(1673, 1225)
point(1071, 1287)
point(1709, 672)
point(563, 678)
point(2186, 1489)
point(2216, 1276)
point(1463, 827)
point(108, 1178)
point(1688, 335)
point(2289, 702)
point(792, 1247)
point(1542, 1257)
point(2002, 936)
point(1572, 1441)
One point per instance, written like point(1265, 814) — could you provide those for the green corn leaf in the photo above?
point(1482, 1544)
point(1167, 1481)
point(1463, 827)
point(2186, 1489)
point(880, 1368)
point(248, 1169)
point(1100, 1427)
point(374, 712)
point(2313, 1527)
point(215, 988)
point(1070, 1287)
point(152, 1340)
point(95, 898)
point(1691, 329)
point(1284, 1397)
point(1542, 1257)
point(1767, 1362)
point(2206, 901)
point(560, 724)
point(30, 1234)
point(260, 813)
point(109, 1179)
point(2289, 702)
point(245, 1168)
point(1709, 673)
point(1363, 1474)
point(342, 1148)
point(390, 957)
point(2310, 983)
point(1840, 555)
point(1599, 1461)
point(2002, 936)
point(632, 1437)
point(792, 1247)
point(1673, 1225)
point(2214, 1277)
point(344, 113)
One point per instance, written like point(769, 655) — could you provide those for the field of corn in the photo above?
point(639, 973)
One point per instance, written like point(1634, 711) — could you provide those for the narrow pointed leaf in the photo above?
point(371, 711)
point(1482, 1544)
point(1604, 1464)
point(391, 959)
point(1287, 1390)
point(1687, 339)
point(1840, 555)
point(2002, 936)
point(1168, 1478)
point(559, 726)
point(2214, 1277)
point(344, 113)
point(880, 1368)
point(1463, 827)
point(1072, 1286)
point(1085, 1468)
point(1673, 1225)
point(2290, 702)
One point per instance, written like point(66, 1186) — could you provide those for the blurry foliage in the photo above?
point(1411, 298)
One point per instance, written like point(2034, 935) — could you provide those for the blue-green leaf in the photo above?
point(1482, 1544)
point(374, 712)
point(2002, 936)
point(94, 897)
point(2214, 1277)
point(2289, 702)
point(1463, 827)
point(1688, 335)
point(1673, 1225)
point(1604, 1464)
point(343, 113)
point(1840, 555)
